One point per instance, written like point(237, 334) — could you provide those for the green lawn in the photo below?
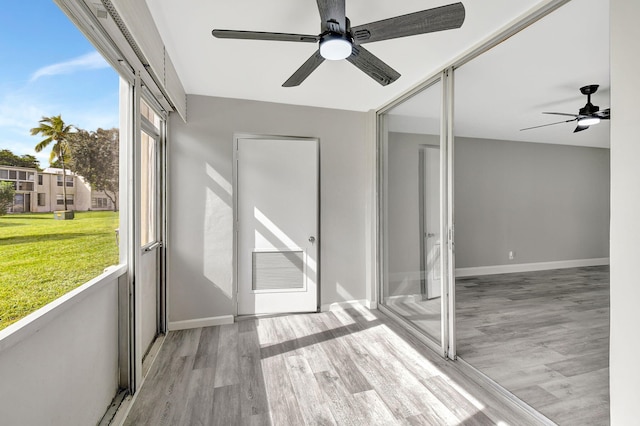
point(42, 258)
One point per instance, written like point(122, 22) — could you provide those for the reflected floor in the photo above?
point(425, 314)
point(542, 335)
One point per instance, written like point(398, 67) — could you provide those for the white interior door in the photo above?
point(277, 224)
point(432, 237)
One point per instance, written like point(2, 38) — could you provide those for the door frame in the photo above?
point(318, 242)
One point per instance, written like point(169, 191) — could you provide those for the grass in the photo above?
point(42, 258)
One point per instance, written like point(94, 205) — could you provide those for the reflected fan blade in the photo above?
point(550, 124)
point(258, 35)
point(562, 113)
point(305, 70)
point(372, 66)
point(427, 21)
point(332, 14)
point(605, 114)
point(580, 128)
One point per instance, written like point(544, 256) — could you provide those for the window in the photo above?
point(148, 190)
point(100, 202)
point(84, 245)
point(60, 198)
point(69, 180)
point(25, 186)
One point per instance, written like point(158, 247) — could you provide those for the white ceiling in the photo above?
point(507, 88)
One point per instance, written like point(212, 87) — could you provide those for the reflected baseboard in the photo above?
point(529, 267)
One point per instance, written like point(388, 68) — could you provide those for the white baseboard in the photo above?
point(349, 304)
point(529, 267)
point(200, 322)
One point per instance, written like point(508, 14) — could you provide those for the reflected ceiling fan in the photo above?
point(338, 40)
point(587, 116)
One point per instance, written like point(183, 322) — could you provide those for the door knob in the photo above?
point(431, 235)
point(312, 239)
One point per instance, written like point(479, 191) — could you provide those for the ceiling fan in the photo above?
point(587, 116)
point(338, 40)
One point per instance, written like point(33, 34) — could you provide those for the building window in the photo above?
point(12, 174)
point(69, 180)
point(60, 202)
point(39, 179)
point(4, 174)
point(99, 203)
point(42, 199)
point(25, 186)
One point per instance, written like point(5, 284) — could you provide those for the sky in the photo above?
point(48, 67)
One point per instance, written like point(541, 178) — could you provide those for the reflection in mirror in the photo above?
point(411, 149)
point(532, 215)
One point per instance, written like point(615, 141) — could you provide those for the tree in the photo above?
point(8, 158)
point(55, 130)
point(95, 156)
point(6, 196)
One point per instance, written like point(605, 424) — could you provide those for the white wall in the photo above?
point(625, 213)
point(62, 367)
point(200, 199)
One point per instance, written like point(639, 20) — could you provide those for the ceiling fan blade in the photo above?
point(332, 14)
point(562, 113)
point(427, 21)
point(550, 124)
point(305, 70)
point(605, 114)
point(258, 35)
point(372, 66)
point(580, 128)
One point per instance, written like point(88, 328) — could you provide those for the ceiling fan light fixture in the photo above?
point(335, 47)
point(588, 121)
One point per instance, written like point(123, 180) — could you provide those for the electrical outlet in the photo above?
point(512, 255)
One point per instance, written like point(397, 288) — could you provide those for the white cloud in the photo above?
point(89, 61)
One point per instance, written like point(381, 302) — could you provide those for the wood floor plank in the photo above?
point(199, 397)
point(226, 406)
point(307, 392)
point(207, 352)
point(227, 371)
point(252, 386)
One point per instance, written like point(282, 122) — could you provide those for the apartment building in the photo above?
point(42, 191)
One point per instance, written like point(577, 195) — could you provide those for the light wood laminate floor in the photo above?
point(351, 367)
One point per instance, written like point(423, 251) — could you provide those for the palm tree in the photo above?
point(55, 130)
